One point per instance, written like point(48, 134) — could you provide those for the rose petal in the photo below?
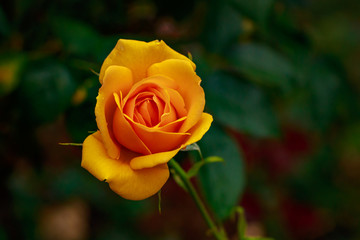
point(116, 79)
point(160, 104)
point(189, 87)
point(173, 126)
point(156, 82)
point(159, 86)
point(178, 102)
point(124, 133)
point(197, 132)
point(157, 140)
point(152, 160)
point(138, 56)
point(128, 183)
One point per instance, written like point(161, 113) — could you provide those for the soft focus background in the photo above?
point(281, 80)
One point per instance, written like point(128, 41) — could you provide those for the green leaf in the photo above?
point(196, 167)
point(258, 10)
point(46, 90)
point(223, 27)
point(77, 37)
point(240, 105)
point(314, 104)
point(262, 65)
point(223, 183)
point(193, 147)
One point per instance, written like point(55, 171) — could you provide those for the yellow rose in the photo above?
point(150, 106)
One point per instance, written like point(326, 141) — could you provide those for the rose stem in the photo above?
point(189, 186)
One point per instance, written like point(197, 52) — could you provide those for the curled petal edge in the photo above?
point(128, 183)
point(197, 132)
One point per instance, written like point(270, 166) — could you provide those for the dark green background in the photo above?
point(281, 79)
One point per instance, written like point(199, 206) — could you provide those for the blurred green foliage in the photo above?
point(281, 79)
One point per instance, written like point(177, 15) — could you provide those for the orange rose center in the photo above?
point(146, 110)
point(149, 117)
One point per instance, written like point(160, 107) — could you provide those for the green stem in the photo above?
point(219, 235)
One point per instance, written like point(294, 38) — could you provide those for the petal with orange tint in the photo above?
point(197, 132)
point(138, 56)
point(169, 114)
point(173, 126)
point(178, 102)
point(156, 82)
point(189, 87)
point(125, 181)
point(158, 85)
point(116, 79)
point(124, 133)
point(157, 140)
point(152, 160)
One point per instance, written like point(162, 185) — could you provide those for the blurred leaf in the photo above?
point(222, 182)
point(240, 105)
point(46, 90)
point(315, 183)
point(75, 181)
point(349, 142)
point(335, 33)
point(197, 166)
point(193, 147)
point(77, 37)
point(10, 70)
point(258, 10)
point(4, 25)
point(262, 65)
point(314, 103)
point(223, 27)
point(324, 85)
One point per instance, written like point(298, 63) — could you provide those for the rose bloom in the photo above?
point(149, 107)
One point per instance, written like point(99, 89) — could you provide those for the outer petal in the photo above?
point(116, 79)
point(152, 160)
point(128, 183)
point(197, 132)
point(189, 87)
point(138, 56)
